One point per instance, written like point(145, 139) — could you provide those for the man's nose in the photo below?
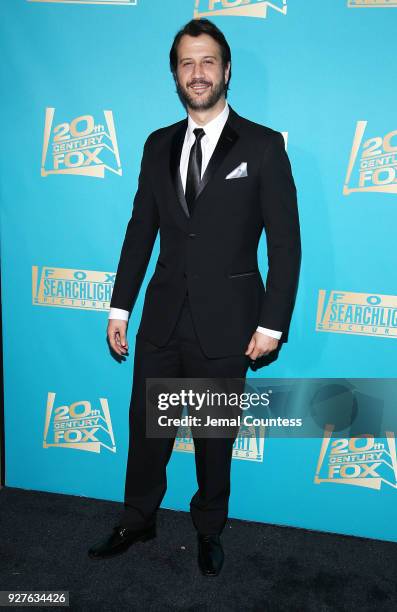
point(197, 72)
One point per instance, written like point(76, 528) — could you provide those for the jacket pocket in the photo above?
point(238, 274)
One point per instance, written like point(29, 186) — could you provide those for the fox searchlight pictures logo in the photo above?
point(81, 146)
point(237, 8)
point(371, 3)
point(248, 446)
point(115, 2)
point(72, 288)
point(364, 314)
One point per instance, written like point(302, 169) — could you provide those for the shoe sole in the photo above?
point(144, 538)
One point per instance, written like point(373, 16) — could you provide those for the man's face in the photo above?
point(200, 76)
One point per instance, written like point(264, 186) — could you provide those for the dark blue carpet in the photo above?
point(45, 538)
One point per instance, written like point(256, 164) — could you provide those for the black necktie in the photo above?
point(193, 177)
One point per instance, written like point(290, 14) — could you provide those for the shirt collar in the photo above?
point(213, 128)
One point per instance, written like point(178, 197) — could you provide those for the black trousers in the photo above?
point(146, 480)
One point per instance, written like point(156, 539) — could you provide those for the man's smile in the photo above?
point(200, 87)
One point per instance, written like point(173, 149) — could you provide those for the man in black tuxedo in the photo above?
point(209, 183)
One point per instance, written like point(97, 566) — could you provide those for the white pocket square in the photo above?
point(238, 172)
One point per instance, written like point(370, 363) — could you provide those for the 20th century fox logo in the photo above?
point(373, 162)
point(364, 461)
point(238, 8)
point(78, 425)
point(83, 146)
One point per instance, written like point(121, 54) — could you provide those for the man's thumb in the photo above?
point(250, 346)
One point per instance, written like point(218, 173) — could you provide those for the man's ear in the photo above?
point(175, 78)
point(227, 72)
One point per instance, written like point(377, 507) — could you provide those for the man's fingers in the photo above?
point(253, 351)
point(123, 339)
point(263, 345)
point(120, 342)
point(117, 337)
point(115, 342)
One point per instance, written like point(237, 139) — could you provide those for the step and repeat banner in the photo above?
point(83, 84)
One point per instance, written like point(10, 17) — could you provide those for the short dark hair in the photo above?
point(195, 27)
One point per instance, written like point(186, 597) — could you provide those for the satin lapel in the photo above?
point(226, 141)
point(175, 156)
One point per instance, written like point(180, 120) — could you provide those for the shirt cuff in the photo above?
point(119, 313)
point(269, 332)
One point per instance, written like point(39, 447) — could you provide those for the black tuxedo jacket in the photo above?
point(213, 252)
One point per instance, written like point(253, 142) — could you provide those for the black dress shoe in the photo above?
point(210, 554)
point(120, 540)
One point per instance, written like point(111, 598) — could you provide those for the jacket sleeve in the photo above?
point(139, 239)
point(281, 222)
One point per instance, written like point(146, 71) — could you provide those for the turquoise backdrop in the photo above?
point(83, 84)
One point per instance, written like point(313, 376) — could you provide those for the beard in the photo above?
point(205, 102)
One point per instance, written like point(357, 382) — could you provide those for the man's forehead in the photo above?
point(198, 45)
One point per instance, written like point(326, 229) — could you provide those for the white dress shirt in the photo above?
point(209, 141)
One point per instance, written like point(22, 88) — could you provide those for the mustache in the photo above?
point(198, 82)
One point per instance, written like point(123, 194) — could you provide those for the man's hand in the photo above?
point(261, 344)
point(117, 336)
